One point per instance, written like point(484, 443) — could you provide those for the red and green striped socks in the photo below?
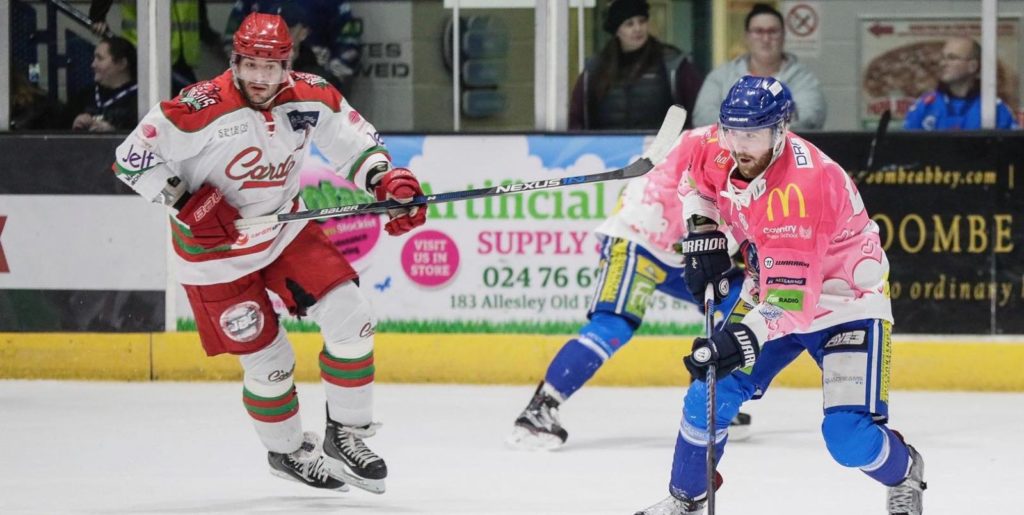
point(344, 372)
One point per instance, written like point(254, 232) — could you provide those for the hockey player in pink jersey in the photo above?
point(233, 147)
point(817, 278)
point(637, 259)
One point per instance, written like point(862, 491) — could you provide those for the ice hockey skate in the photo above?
point(674, 506)
point(305, 465)
point(350, 459)
point(906, 497)
point(538, 427)
point(739, 428)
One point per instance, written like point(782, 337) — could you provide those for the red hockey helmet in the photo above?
point(263, 36)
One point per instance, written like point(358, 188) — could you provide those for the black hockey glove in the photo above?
point(731, 348)
point(706, 261)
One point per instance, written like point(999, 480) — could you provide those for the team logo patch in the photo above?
point(301, 120)
point(770, 312)
point(242, 322)
point(148, 131)
point(201, 96)
point(313, 80)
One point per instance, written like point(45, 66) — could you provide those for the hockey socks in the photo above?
point(689, 472)
point(893, 461)
point(580, 357)
point(573, 366)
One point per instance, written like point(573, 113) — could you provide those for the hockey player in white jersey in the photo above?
point(232, 147)
point(637, 259)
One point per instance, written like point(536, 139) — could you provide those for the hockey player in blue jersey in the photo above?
point(637, 259)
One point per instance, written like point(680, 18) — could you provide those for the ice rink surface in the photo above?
point(183, 448)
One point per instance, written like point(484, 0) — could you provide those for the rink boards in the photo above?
point(919, 362)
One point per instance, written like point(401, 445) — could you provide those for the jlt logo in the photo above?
point(4, 269)
point(784, 196)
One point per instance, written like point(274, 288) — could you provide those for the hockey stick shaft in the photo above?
point(659, 149)
point(73, 12)
point(869, 165)
point(709, 323)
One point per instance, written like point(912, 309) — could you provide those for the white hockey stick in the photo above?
point(656, 153)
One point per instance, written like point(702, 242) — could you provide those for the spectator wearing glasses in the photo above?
point(956, 103)
point(765, 57)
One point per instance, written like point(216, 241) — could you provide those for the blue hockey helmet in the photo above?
point(756, 102)
point(756, 110)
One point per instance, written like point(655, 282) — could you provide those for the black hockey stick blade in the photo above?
point(656, 153)
point(883, 126)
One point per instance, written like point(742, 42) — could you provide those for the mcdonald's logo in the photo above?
point(783, 196)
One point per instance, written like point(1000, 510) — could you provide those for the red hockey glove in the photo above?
point(210, 218)
point(400, 184)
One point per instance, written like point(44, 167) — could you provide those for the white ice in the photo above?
point(183, 448)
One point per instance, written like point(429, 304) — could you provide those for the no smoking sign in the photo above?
point(802, 20)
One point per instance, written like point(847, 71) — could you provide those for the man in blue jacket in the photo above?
point(956, 103)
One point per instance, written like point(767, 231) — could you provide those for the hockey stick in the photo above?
point(883, 126)
point(78, 15)
point(709, 326)
point(659, 149)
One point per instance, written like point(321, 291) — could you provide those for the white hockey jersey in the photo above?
point(210, 135)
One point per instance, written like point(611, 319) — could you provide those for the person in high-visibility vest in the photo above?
point(188, 17)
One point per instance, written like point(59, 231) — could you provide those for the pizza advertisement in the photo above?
point(900, 59)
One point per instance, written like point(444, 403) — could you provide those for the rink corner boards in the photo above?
point(919, 362)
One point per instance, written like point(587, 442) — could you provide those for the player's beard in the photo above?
point(259, 94)
point(755, 166)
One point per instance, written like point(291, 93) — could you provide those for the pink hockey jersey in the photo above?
point(209, 134)
point(815, 259)
point(649, 211)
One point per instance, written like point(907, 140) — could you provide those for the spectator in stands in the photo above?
point(956, 103)
point(112, 103)
point(32, 108)
point(189, 29)
point(765, 57)
point(635, 78)
point(326, 34)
